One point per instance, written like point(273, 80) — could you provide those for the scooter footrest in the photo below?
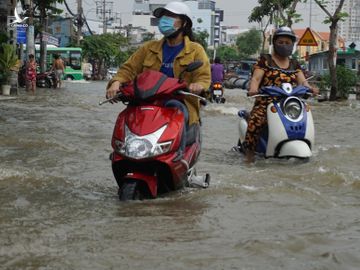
point(199, 181)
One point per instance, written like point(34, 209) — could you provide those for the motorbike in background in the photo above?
point(146, 158)
point(290, 130)
point(217, 92)
point(45, 79)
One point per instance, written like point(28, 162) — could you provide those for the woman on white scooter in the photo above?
point(170, 55)
point(270, 70)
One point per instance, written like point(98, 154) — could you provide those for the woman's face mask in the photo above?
point(283, 48)
point(166, 26)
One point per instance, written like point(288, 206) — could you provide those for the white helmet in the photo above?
point(178, 8)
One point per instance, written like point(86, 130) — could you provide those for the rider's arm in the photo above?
point(127, 72)
point(132, 67)
point(301, 80)
point(202, 76)
point(255, 81)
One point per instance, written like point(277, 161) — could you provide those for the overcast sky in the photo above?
point(236, 12)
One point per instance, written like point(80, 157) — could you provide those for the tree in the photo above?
point(148, 36)
point(347, 79)
point(282, 11)
point(227, 53)
point(103, 51)
point(202, 38)
point(333, 20)
point(248, 43)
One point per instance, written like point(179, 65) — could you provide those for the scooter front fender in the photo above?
point(150, 180)
point(296, 148)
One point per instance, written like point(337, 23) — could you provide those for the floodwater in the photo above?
point(59, 208)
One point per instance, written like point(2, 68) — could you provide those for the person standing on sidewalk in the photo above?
point(31, 74)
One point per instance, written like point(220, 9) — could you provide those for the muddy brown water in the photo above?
point(59, 209)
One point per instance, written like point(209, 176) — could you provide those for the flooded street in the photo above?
point(59, 207)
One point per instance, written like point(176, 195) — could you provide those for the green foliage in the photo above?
point(282, 11)
point(148, 36)
point(48, 5)
point(202, 37)
point(227, 53)
point(249, 43)
point(8, 60)
point(346, 80)
point(104, 48)
point(3, 37)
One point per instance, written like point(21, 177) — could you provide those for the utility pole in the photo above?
point(310, 15)
point(271, 33)
point(104, 17)
point(30, 40)
point(104, 10)
point(308, 47)
point(80, 21)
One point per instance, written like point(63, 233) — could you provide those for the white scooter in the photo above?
point(290, 130)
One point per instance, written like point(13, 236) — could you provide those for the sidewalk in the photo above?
point(6, 97)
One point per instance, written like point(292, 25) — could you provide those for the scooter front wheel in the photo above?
point(130, 191)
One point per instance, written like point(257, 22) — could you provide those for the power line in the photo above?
point(68, 9)
point(80, 17)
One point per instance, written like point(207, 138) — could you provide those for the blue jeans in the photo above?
point(182, 107)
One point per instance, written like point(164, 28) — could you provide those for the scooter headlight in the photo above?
point(293, 108)
point(139, 147)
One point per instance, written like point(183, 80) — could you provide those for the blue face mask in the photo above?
point(166, 26)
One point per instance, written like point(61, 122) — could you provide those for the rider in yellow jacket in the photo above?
point(150, 56)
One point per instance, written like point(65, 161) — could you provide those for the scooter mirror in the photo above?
point(190, 68)
point(193, 66)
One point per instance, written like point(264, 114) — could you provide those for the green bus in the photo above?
point(71, 57)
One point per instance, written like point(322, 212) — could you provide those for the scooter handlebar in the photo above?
point(186, 93)
point(116, 97)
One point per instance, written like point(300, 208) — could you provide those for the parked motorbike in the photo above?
point(21, 76)
point(290, 131)
point(46, 79)
point(146, 159)
point(217, 92)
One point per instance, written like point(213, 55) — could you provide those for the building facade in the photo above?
point(63, 30)
point(349, 29)
point(350, 58)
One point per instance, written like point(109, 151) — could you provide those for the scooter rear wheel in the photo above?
point(129, 191)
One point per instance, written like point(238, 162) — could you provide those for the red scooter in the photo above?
point(146, 160)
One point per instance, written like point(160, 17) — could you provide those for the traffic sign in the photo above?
point(21, 34)
point(307, 39)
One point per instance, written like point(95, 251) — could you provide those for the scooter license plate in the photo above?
point(218, 92)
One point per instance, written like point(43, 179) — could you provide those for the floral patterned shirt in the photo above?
point(274, 75)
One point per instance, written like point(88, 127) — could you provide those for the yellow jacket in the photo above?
point(149, 56)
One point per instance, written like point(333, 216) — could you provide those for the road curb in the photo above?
point(6, 98)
